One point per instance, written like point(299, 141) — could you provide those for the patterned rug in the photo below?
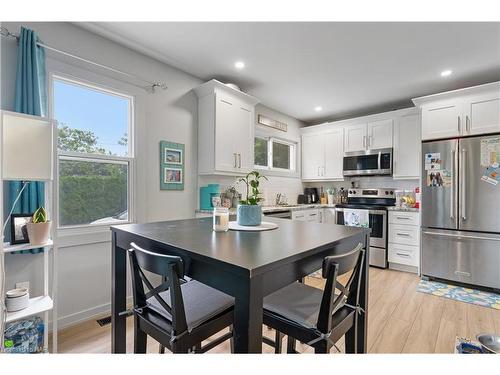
point(460, 293)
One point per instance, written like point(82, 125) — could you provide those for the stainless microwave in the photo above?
point(376, 162)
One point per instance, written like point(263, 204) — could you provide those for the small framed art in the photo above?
point(18, 230)
point(171, 166)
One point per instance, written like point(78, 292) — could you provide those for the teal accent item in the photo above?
point(171, 166)
point(460, 293)
point(206, 194)
point(30, 98)
point(249, 215)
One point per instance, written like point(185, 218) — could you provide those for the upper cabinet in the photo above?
point(470, 111)
point(322, 154)
point(379, 134)
point(406, 155)
point(355, 138)
point(225, 129)
point(369, 135)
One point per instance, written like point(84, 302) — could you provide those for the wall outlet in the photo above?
point(25, 284)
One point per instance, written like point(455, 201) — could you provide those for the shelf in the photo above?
point(36, 305)
point(8, 248)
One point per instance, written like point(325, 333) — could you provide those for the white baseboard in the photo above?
point(89, 314)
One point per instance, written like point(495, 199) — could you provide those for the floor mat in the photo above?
point(459, 293)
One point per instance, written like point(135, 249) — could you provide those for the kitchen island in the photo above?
point(246, 265)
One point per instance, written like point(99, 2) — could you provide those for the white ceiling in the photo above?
point(348, 69)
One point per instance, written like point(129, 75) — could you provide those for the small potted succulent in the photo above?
point(249, 212)
point(39, 227)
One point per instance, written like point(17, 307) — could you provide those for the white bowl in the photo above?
point(17, 299)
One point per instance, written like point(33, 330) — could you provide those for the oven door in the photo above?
point(368, 163)
point(377, 222)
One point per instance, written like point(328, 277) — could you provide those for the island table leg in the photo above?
point(118, 297)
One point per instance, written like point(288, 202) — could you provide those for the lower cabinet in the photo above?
point(311, 215)
point(404, 241)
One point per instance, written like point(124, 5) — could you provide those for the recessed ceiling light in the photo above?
point(446, 73)
point(239, 64)
point(318, 108)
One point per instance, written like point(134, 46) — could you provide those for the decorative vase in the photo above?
point(249, 215)
point(38, 233)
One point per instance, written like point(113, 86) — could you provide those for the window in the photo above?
point(95, 153)
point(274, 154)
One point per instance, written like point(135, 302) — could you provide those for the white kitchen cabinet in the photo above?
point(371, 135)
point(333, 154)
point(379, 134)
point(404, 241)
point(313, 156)
point(225, 129)
point(407, 147)
point(355, 138)
point(328, 216)
point(441, 119)
point(310, 215)
point(322, 155)
point(482, 113)
point(470, 111)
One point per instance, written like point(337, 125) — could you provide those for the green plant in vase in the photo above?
point(39, 227)
point(249, 212)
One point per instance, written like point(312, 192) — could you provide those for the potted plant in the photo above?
point(39, 227)
point(249, 213)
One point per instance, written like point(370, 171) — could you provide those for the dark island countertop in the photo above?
point(248, 253)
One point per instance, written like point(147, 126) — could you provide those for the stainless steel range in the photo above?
point(368, 207)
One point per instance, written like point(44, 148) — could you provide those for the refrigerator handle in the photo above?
point(452, 205)
point(464, 183)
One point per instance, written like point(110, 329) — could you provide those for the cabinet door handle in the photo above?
point(403, 218)
point(364, 141)
point(464, 184)
point(403, 255)
point(458, 124)
point(234, 160)
point(239, 160)
point(370, 138)
point(318, 171)
point(462, 273)
point(403, 234)
point(467, 123)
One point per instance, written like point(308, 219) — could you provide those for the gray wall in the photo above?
point(84, 257)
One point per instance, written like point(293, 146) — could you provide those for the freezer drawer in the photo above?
point(466, 257)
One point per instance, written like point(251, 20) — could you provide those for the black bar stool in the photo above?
point(317, 318)
point(177, 314)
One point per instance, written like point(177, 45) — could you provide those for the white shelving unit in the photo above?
point(43, 305)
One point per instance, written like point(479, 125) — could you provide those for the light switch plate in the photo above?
point(25, 284)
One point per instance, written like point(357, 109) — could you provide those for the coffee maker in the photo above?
point(311, 195)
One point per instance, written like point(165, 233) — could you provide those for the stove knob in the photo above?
point(350, 191)
point(354, 191)
point(386, 192)
point(392, 193)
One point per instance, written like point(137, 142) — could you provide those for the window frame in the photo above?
point(293, 155)
point(128, 160)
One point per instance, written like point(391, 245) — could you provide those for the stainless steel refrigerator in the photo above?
point(461, 210)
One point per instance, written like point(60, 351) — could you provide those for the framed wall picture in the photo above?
point(18, 230)
point(171, 165)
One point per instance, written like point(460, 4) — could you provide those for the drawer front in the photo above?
point(306, 215)
point(403, 217)
point(403, 254)
point(404, 234)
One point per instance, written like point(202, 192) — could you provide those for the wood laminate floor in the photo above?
point(400, 320)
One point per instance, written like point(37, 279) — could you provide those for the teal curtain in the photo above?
point(30, 98)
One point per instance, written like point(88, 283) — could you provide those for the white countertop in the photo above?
point(277, 208)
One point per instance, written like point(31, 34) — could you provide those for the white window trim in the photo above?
point(83, 229)
point(294, 149)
